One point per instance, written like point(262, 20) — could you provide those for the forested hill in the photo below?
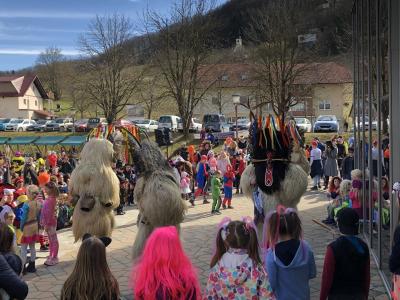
point(329, 19)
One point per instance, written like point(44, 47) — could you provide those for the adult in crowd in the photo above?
point(223, 162)
point(348, 164)
point(65, 165)
point(11, 284)
point(29, 173)
point(316, 165)
point(341, 150)
point(232, 150)
point(375, 152)
point(331, 165)
point(242, 143)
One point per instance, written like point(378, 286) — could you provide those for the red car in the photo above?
point(81, 125)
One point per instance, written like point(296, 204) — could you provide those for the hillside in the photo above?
point(328, 20)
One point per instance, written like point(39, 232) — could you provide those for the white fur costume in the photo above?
point(94, 188)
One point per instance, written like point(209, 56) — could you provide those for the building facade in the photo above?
point(330, 91)
point(21, 96)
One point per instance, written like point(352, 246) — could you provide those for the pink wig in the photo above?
point(164, 270)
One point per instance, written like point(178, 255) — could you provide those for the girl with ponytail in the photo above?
point(236, 268)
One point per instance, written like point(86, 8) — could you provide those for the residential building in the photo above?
point(330, 90)
point(21, 96)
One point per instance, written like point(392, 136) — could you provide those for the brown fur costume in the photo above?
point(157, 194)
point(94, 188)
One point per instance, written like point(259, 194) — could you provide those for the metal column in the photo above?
point(378, 104)
point(394, 102)
point(370, 99)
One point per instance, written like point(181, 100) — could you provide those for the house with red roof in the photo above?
point(22, 96)
point(329, 87)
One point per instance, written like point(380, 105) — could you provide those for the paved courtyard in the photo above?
point(198, 234)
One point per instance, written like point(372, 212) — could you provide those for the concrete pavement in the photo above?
point(198, 235)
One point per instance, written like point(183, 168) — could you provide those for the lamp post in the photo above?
point(236, 102)
point(73, 112)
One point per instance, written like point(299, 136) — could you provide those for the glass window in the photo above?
point(324, 105)
point(298, 107)
point(24, 101)
point(165, 119)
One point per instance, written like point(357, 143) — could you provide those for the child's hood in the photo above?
point(300, 259)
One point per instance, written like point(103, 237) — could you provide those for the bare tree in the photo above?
point(151, 94)
point(77, 89)
point(278, 57)
point(49, 67)
point(109, 67)
point(220, 101)
point(181, 47)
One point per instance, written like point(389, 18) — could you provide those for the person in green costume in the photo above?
point(216, 185)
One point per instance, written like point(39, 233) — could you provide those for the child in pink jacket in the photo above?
point(48, 220)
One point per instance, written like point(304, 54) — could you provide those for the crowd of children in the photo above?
point(207, 171)
point(274, 264)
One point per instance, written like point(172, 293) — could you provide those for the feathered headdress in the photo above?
point(271, 146)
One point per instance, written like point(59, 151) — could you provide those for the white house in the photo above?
point(21, 96)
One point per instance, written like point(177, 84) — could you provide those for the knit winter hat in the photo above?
point(348, 221)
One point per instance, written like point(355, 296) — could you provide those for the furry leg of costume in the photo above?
point(157, 194)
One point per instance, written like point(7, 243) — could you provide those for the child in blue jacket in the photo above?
point(289, 260)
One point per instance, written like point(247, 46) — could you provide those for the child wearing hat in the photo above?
point(346, 273)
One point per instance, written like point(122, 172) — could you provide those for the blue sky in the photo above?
point(27, 27)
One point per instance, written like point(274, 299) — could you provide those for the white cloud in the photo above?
point(68, 52)
point(45, 15)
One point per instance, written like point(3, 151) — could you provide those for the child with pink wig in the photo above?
point(236, 268)
point(164, 272)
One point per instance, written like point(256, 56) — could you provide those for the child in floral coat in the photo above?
point(236, 268)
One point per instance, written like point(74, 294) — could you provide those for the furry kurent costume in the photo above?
point(157, 194)
point(278, 170)
point(94, 188)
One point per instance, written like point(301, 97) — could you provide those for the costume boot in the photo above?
point(31, 267)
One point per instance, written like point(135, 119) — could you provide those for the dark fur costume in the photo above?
point(274, 144)
point(277, 174)
point(157, 194)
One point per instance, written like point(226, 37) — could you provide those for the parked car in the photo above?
point(215, 123)
point(19, 124)
point(147, 125)
point(327, 123)
point(3, 123)
point(61, 124)
point(123, 123)
point(39, 126)
point(169, 121)
point(242, 124)
point(95, 122)
point(303, 124)
point(195, 125)
point(81, 125)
